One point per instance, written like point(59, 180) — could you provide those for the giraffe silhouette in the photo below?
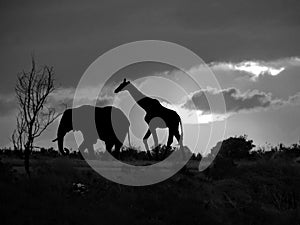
point(157, 116)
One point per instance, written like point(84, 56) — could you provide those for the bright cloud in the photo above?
point(257, 68)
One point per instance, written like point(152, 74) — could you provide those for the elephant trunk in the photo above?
point(64, 127)
point(60, 143)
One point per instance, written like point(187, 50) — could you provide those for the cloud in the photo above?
point(256, 68)
point(235, 101)
point(64, 97)
point(104, 101)
point(294, 99)
point(59, 99)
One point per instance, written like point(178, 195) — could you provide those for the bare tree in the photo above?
point(18, 136)
point(35, 113)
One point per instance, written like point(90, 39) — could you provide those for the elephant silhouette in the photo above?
point(108, 124)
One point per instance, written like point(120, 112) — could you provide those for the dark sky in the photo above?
point(70, 35)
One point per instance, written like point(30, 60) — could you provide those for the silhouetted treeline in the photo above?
point(230, 153)
point(129, 154)
point(232, 149)
point(241, 148)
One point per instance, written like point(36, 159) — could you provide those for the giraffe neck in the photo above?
point(138, 96)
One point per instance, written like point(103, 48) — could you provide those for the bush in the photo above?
point(234, 148)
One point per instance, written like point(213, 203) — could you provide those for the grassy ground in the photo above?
point(261, 192)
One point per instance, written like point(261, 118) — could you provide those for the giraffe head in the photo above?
point(122, 86)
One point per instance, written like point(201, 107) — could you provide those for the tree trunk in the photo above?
point(27, 151)
point(26, 160)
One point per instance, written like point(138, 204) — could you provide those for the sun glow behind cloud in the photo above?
point(257, 68)
point(194, 116)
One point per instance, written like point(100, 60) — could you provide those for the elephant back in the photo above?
point(111, 123)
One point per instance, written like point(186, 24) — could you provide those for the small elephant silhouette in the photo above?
point(108, 124)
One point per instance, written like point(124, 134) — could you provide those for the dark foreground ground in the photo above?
point(259, 192)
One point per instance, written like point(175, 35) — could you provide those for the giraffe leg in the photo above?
point(145, 138)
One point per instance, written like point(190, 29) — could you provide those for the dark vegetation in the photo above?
point(242, 186)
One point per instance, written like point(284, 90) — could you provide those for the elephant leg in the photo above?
point(154, 135)
point(145, 138)
point(178, 138)
point(82, 146)
point(89, 145)
point(118, 146)
point(108, 146)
